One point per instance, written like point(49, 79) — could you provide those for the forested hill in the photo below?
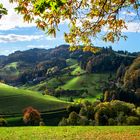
point(36, 55)
point(36, 65)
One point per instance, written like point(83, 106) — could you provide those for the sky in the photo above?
point(18, 35)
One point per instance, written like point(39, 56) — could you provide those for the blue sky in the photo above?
point(17, 35)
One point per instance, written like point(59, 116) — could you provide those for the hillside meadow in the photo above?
point(14, 100)
point(71, 133)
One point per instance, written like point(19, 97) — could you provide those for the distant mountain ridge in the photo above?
point(35, 55)
point(26, 66)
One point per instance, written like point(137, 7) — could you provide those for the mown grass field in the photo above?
point(71, 133)
point(14, 100)
point(91, 82)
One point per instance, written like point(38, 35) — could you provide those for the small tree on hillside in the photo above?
point(3, 122)
point(31, 116)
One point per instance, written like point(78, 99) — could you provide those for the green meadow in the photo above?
point(14, 100)
point(71, 133)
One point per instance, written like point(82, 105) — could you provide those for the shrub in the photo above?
point(75, 107)
point(90, 112)
point(112, 122)
point(63, 122)
point(41, 123)
point(92, 122)
point(3, 122)
point(102, 113)
point(83, 111)
point(73, 118)
point(131, 120)
point(121, 118)
point(31, 116)
point(120, 106)
point(83, 121)
point(101, 116)
point(138, 111)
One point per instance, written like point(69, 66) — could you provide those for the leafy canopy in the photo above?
point(3, 10)
point(87, 18)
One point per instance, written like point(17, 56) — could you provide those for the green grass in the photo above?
point(71, 133)
point(10, 69)
point(91, 82)
point(71, 62)
point(78, 80)
point(50, 83)
point(77, 71)
point(14, 65)
point(14, 100)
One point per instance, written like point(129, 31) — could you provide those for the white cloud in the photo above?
point(129, 13)
point(12, 20)
point(132, 27)
point(18, 38)
point(37, 46)
point(62, 22)
point(49, 38)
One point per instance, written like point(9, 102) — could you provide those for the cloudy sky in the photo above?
point(17, 35)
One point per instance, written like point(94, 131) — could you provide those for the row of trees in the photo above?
point(103, 113)
point(125, 86)
point(86, 113)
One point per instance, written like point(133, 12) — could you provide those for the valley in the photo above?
point(52, 81)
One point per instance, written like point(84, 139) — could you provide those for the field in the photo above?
point(75, 79)
point(14, 100)
point(71, 133)
point(10, 69)
point(90, 82)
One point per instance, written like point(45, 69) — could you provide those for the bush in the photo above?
point(92, 122)
point(73, 118)
point(83, 111)
point(101, 116)
point(138, 111)
point(83, 121)
point(121, 118)
point(75, 107)
point(120, 106)
point(3, 122)
point(131, 120)
point(31, 116)
point(41, 123)
point(112, 122)
point(102, 113)
point(63, 122)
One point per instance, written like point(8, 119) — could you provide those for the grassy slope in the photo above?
point(81, 80)
point(91, 82)
point(10, 69)
point(78, 81)
point(14, 100)
point(71, 133)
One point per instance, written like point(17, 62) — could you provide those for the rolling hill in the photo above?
point(14, 100)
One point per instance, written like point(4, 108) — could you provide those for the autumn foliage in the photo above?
point(87, 19)
point(31, 116)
